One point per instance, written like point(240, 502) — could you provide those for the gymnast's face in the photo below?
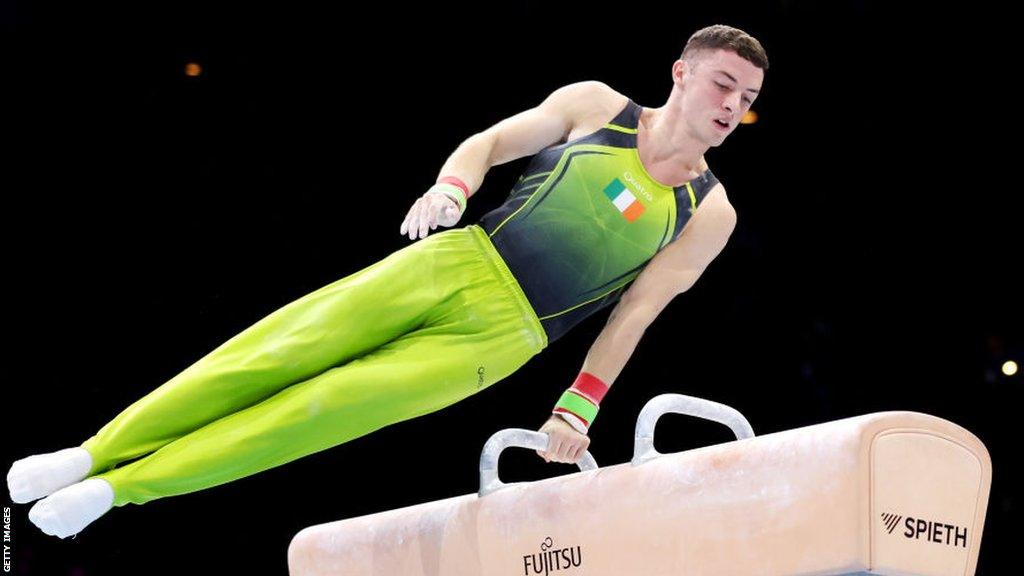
point(720, 86)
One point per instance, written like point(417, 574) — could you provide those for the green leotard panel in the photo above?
point(584, 219)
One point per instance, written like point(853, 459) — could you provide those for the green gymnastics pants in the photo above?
point(429, 325)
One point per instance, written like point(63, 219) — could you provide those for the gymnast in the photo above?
point(617, 206)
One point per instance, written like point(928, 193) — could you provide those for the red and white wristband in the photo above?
point(453, 188)
point(579, 404)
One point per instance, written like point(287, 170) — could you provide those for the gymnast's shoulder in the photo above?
point(573, 109)
point(590, 99)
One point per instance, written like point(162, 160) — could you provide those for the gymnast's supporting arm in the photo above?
point(570, 421)
point(674, 270)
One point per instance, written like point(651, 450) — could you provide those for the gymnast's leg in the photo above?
point(322, 329)
point(477, 329)
point(473, 339)
point(414, 375)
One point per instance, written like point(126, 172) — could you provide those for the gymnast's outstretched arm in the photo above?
point(523, 134)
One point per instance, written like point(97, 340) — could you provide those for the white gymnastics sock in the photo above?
point(41, 475)
point(69, 510)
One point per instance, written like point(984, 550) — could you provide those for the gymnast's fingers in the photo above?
point(405, 223)
point(432, 214)
point(416, 225)
point(554, 447)
point(424, 216)
point(570, 452)
point(411, 219)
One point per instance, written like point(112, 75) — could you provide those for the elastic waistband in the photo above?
point(508, 280)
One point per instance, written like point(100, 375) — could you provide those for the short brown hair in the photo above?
point(727, 38)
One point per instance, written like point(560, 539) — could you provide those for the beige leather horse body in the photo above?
point(896, 493)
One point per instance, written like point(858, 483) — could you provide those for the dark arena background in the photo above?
point(175, 171)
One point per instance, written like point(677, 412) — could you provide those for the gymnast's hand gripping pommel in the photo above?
point(571, 419)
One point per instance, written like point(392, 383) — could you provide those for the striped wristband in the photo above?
point(579, 404)
point(453, 188)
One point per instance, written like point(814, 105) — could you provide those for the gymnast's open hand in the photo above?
point(565, 444)
point(430, 210)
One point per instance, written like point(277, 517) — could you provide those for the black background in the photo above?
point(150, 216)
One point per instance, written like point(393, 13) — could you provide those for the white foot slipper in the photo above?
point(69, 510)
point(43, 474)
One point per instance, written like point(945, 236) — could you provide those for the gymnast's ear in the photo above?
point(682, 71)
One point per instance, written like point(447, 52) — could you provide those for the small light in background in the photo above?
point(749, 118)
point(1009, 368)
point(192, 69)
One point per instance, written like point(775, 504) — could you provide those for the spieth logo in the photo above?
point(933, 531)
point(550, 560)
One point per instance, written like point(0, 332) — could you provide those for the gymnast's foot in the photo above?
point(69, 510)
point(43, 474)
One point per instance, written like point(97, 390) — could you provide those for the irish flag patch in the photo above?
point(624, 200)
